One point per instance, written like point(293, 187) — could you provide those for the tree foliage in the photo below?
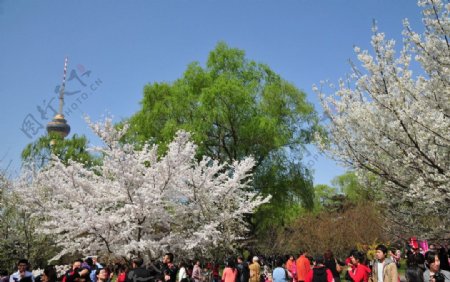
point(345, 216)
point(138, 202)
point(17, 232)
point(347, 189)
point(338, 230)
point(357, 189)
point(39, 152)
point(396, 125)
point(290, 189)
point(235, 108)
point(324, 196)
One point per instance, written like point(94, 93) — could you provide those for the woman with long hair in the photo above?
point(182, 274)
point(291, 267)
point(49, 274)
point(413, 272)
point(434, 273)
point(333, 265)
point(230, 271)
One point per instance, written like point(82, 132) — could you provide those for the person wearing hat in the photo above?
point(255, 270)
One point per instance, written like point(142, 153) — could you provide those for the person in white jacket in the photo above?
point(22, 274)
point(182, 273)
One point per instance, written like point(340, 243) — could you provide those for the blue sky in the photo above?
point(116, 47)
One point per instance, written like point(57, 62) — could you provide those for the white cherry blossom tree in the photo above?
point(394, 123)
point(141, 203)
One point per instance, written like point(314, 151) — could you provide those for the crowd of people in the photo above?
point(432, 266)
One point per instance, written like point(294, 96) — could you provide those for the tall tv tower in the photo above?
point(59, 124)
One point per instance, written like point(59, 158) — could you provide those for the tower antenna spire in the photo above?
point(63, 86)
point(59, 124)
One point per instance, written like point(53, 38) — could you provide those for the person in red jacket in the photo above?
point(360, 272)
point(320, 272)
point(303, 266)
point(122, 276)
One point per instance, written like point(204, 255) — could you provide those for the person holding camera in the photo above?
point(78, 273)
point(433, 272)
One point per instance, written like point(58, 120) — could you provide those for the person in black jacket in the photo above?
point(138, 272)
point(419, 258)
point(443, 257)
point(413, 272)
point(169, 269)
point(333, 265)
point(243, 270)
point(78, 273)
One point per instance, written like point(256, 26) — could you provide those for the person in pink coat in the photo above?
point(230, 272)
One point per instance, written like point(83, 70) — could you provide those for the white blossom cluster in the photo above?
point(60, 270)
point(390, 122)
point(140, 203)
point(37, 272)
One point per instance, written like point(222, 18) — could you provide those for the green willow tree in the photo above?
point(325, 196)
point(236, 107)
point(355, 191)
point(347, 190)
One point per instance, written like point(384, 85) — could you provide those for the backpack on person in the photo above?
point(320, 274)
